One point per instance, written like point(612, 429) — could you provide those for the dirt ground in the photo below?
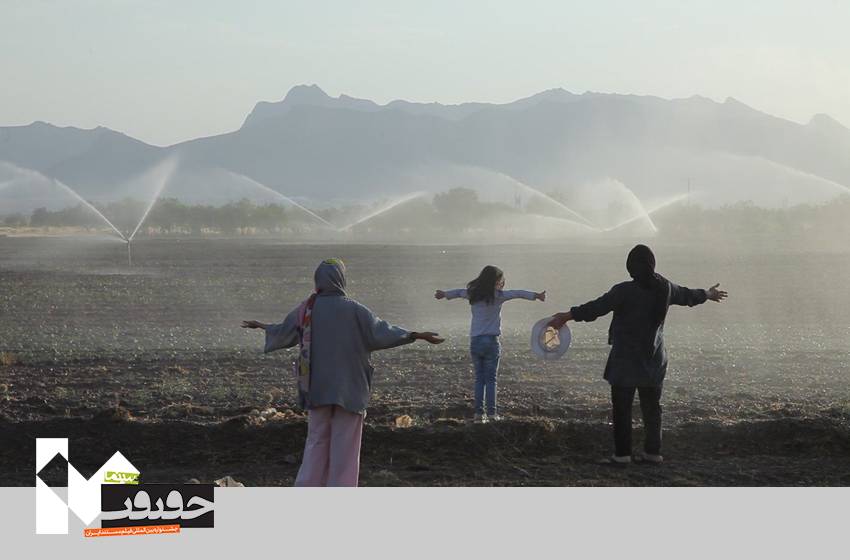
point(151, 361)
point(183, 423)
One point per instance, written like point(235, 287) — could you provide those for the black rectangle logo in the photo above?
point(127, 505)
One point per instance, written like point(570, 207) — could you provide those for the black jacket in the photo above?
point(629, 363)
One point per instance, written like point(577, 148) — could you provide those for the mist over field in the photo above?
point(126, 268)
point(554, 165)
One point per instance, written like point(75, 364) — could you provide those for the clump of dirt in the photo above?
point(228, 482)
point(185, 410)
point(8, 359)
point(256, 418)
point(403, 421)
point(114, 414)
point(810, 450)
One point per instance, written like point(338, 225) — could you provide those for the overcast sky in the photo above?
point(167, 71)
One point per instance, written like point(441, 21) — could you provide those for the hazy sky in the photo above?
point(166, 71)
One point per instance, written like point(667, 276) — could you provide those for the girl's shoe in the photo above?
point(494, 418)
point(479, 419)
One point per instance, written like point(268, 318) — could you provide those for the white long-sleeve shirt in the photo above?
point(487, 317)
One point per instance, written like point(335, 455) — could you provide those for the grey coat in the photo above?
point(344, 334)
point(629, 364)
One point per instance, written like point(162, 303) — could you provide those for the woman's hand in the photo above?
point(540, 295)
point(560, 319)
point(253, 325)
point(430, 337)
point(716, 295)
point(439, 294)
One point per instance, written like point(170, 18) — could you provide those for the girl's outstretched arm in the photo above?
point(523, 294)
point(451, 294)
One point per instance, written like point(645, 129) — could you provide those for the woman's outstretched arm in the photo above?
point(381, 335)
point(560, 319)
point(717, 295)
point(451, 294)
point(280, 335)
point(591, 310)
point(680, 295)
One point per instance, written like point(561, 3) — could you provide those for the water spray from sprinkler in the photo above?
point(283, 197)
point(648, 212)
point(88, 205)
point(557, 203)
point(166, 170)
point(385, 208)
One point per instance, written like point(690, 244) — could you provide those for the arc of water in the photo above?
point(283, 197)
point(385, 208)
point(61, 185)
point(646, 213)
point(797, 172)
point(643, 213)
point(548, 198)
point(72, 192)
point(171, 165)
point(567, 221)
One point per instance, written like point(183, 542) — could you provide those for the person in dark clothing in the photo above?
point(638, 359)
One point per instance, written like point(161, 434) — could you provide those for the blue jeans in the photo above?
point(485, 351)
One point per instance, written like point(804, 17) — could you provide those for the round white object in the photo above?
point(548, 343)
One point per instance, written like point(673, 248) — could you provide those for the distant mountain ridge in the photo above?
point(314, 96)
point(324, 148)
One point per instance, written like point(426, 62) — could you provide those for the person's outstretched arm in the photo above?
point(523, 294)
point(280, 335)
point(591, 310)
point(680, 295)
point(381, 335)
point(451, 294)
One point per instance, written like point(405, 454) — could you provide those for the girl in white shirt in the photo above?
point(486, 296)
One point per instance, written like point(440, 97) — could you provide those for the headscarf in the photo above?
point(329, 279)
point(641, 266)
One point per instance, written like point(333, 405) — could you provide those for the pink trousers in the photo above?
point(332, 450)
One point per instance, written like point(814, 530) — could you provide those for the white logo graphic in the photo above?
point(51, 513)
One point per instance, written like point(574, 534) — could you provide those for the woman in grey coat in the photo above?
point(336, 335)
point(638, 358)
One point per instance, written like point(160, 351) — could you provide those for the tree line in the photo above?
point(456, 211)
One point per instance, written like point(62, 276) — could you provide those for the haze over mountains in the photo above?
point(589, 148)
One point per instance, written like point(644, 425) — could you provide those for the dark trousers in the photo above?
point(650, 406)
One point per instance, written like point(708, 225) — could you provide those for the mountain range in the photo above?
point(327, 150)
